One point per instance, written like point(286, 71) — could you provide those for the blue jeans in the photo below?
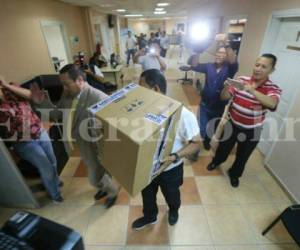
point(130, 53)
point(39, 153)
point(208, 121)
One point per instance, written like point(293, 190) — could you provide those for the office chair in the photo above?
point(290, 218)
point(185, 79)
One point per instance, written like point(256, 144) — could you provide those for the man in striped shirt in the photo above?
point(250, 103)
point(246, 111)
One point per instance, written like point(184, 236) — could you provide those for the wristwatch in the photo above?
point(177, 158)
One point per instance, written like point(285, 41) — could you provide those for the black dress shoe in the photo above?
point(206, 145)
point(211, 166)
point(110, 201)
point(234, 181)
point(58, 200)
point(100, 194)
point(142, 222)
point(173, 217)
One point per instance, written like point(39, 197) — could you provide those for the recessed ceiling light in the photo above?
point(159, 9)
point(133, 15)
point(120, 10)
point(106, 5)
point(162, 4)
point(159, 12)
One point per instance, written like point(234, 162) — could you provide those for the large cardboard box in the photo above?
point(139, 127)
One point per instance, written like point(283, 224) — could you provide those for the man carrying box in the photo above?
point(186, 142)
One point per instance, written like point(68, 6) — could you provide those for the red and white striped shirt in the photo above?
point(245, 110)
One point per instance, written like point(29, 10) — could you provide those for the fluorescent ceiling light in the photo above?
point(106, 5)
point(159, 9)
point(159, 12)
point(242, 20)
point(133, 15)
point(120, 10)
point(163, 4)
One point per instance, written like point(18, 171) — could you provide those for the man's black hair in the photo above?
point(73, 71)
point(154, 77)
point(272, 57)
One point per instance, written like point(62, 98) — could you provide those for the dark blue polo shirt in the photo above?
point(214, 82)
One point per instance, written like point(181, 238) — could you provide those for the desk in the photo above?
point(113, 75)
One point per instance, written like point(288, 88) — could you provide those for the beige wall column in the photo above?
point(90, 30)
point(118, 35)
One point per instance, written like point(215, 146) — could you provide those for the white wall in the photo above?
point(107, 35)
point(151, 25)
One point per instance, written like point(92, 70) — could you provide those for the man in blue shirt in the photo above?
point(211, 107)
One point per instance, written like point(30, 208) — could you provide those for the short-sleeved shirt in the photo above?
point(214, 82)
point(16, 112)
point(152, 41)
point(130, 42)
point(97, 71)
point(246, 111)
point(187, 128)
point(149, 62)
point(165, 42)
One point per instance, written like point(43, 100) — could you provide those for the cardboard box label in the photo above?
point(157, 119)
point(113, 98)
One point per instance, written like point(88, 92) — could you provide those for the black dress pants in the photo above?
point(246, 140)
point(163, 52)
point(169, 183)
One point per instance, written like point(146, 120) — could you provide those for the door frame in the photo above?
point(274, 25)
point(226, 23)
point(270, 36)
point(64, 35)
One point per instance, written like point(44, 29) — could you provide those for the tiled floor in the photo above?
point(213, 216)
